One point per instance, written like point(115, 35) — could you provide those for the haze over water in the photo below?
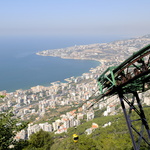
point(21, 68)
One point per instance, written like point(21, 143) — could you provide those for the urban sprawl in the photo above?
point(63, 105)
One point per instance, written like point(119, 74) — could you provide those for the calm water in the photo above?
point(21, 68)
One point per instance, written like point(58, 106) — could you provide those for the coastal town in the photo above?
point(66, 104)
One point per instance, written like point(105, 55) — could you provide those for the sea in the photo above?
point(21, 68)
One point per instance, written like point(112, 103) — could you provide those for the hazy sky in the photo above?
point(75, 17)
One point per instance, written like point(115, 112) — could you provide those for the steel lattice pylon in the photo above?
point(135, 106)
point(130, 77)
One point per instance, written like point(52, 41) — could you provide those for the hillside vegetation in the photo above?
point(113, 137)
point(111, 134)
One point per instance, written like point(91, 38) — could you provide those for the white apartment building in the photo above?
point(90, 116)
point(46, 127)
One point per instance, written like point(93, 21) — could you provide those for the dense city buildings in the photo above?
point(39, 101)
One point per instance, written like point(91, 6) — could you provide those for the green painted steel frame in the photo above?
point(108, 85)
point(108, 80)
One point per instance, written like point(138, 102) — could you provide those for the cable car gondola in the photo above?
point(75, 138)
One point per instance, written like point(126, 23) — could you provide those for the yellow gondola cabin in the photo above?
point(75, 138)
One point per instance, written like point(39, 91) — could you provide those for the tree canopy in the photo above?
point(8, 130)
point(40, 140)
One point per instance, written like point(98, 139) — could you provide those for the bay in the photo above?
point(21, 68)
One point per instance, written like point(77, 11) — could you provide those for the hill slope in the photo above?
point(113, 137)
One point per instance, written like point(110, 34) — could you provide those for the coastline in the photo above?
point(106, 54)
point(50, 83)
point(70, 58)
